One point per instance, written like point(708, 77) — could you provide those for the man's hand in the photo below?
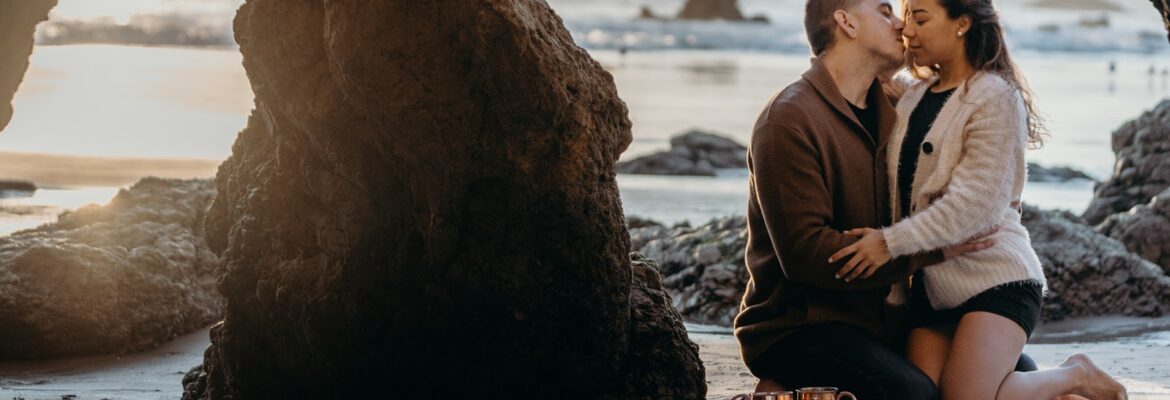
point(978, 243)
point(869, 254)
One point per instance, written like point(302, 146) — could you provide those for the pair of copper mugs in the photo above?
point(808, 393)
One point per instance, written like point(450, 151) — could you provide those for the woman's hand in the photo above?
point(869, 254)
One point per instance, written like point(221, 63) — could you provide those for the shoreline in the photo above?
point(53, 171)
point(1136, 361)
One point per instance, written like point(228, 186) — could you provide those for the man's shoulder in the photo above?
point(795, 106)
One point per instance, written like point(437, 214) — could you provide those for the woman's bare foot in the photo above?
point(1095, 383)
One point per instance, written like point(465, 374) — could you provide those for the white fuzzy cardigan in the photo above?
point(965, 183)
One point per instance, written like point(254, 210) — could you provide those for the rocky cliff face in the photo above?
point(711, 9)
point(120, 278)
point(423, 202)
point(1144, 230)
point(1142, 170)
point(18, 21)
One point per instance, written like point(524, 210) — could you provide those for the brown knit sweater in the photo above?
point(815, 172)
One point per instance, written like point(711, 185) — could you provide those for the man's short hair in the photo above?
point(819, 24)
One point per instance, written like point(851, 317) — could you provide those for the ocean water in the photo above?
point(182, 101)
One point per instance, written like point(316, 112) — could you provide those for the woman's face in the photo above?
point(931, 37)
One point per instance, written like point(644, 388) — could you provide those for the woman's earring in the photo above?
point(960, 33)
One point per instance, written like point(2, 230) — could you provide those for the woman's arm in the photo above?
point(981, 184)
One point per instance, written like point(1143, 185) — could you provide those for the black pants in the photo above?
point(849, 358)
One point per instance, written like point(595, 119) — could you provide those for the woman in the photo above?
point(962, 131)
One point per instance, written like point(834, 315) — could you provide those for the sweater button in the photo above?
point(927, 148)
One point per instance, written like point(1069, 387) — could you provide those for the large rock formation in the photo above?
point(1092, 274)
point(711, 9)
point(1143, 165)
point(1039, 173)
point(1163, 7)
point(428, 206)
point(1144, 230)
point(1088, 273)
point(692, 153)
point(18, 21)
point(120, 278)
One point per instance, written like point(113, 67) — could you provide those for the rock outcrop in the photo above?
point(18, 21)
point(1164, 11)
point(702, 267)
point(1038, 173)
point(17, 186)
point(1144, 229)
point(429, 207)
point(1088, 273)
point(120, 278)
point(711, 9)
point(1092, 274)
point(692, 153)
point(1142, 170)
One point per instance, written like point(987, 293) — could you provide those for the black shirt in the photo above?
point(921, 120)
point(868, 117)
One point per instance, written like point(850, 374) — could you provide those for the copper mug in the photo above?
point(822, 393)
point(765, 396)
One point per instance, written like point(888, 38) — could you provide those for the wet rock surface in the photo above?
point(692, 153)
point(427, 202)
point(1142, 170)
point(121, 278)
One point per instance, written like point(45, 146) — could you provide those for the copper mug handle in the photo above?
point(765, 396)
point(823, 393)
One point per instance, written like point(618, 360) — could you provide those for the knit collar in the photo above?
point(818, 75)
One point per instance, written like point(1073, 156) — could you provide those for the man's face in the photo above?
point(879, 30)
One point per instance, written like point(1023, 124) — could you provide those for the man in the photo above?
point(818, 168)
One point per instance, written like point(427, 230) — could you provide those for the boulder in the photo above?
point(1142, 170)
point(18, 21)
point(1144, 229)
point(429, 208)
point(120, 278)
point(16, 186)
point(1038, 173)
point(1090, 273)
point(692, 153)
point(711, 10)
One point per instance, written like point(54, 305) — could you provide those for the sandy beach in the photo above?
point(1138, 361)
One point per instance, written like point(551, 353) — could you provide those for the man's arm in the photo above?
point(797, 208)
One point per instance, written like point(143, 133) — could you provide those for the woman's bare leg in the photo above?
point(768, 385)
point(927, 349)
point(984, 351)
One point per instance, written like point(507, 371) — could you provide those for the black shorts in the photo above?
point(1017, 301)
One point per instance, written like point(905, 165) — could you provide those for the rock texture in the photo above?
point(1091, 274)
point(1144, 229)
point(703, 267)
point(711, 9)
point(692, 153)
point(18, 21)
point(429, 207)
point(120, 278)
point(1142, 170)
point(1038, 173)
point(1163, 8)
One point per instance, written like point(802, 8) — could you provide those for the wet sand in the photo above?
point(1138, 361)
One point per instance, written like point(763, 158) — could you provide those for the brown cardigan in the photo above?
point(815, 172)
